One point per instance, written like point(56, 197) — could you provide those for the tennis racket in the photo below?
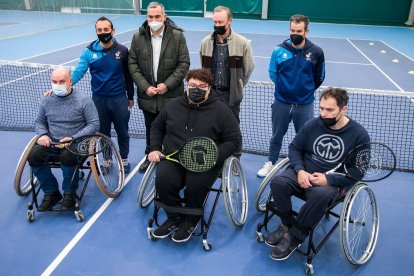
point(198, 154)
point(368, 162)
point(87, 145)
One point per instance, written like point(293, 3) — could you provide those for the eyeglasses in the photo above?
point(201, 86)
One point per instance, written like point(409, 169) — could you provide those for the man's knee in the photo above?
point(36, 156)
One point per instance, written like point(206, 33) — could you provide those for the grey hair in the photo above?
point(153, 5)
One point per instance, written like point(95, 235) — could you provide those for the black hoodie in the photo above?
point(180, 121)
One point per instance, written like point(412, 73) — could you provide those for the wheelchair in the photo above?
point(233, 187)
point(106, 167)
point(358, 220)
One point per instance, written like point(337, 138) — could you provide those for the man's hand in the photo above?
point(44, 141)
point(130, 104)
point(151, 91)
point(318, 179)
point(161, 88)
point(303, 179)
point(48, 93)
point(154, 156)
point(63, 142)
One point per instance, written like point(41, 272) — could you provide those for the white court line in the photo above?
point(48, 271)
point(376, 66)
point(65, 48)
point(33, 74)
point(397, 51)
point(327, 61)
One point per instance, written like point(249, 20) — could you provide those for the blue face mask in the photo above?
point(60, 90)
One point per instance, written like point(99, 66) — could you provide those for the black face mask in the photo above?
point(196, 95)
point(105, 37)
point(220, 30)
point(329, 122)
point(296, 39)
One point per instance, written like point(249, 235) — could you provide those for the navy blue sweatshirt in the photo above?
point(317, 148)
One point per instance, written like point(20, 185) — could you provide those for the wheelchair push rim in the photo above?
point(22, 177)
point(234, 190)
point(359, 224)
point(262, 194)
point(108, 170)
point(146, 189)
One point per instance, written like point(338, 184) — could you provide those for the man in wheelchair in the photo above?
point(319, 146)
point(65, 115)
point(195, 114)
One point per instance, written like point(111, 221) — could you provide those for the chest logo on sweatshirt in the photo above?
point(308, 56)
point(329, 147)
point(118, 55)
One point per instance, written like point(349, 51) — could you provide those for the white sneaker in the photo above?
point(265, 170)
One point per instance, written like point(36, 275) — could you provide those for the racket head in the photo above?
point(88, 145)
point(370, 162)
point(199, 154)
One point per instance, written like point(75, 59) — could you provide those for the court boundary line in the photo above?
point(65, 48)
point(396, 50)
point(62, 255)
point(376, 66)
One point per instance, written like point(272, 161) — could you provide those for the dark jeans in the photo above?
point(115, 111)
point(38, 159)
point(149, 117)
point(282, 115)
point(171, 178)
point(318, 199)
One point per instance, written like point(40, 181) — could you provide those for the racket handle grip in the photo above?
point(162, 157)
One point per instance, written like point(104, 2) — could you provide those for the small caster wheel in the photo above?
point(30, 216)
point(81, 174)
point(207, 246)
point(259, 237)
point(79, 216)
point(309, 269)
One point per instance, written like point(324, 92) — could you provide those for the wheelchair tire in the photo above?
point(22, 175)
point(263, 192)
point(359, 224)
point(108, 170)
point(146, 189)
point(234, 190)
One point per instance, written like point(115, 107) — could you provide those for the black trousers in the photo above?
point(317, 200)
point(149, 117)
point(171, 178)
point(224, 96)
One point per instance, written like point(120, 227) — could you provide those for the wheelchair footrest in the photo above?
point(289, 218)
point(179, 209)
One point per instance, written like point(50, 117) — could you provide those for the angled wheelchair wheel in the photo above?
point(108, 170)
point(234, 191)
point(359, 224)
point(22, 175)
point(263, 192)
point(146, 189)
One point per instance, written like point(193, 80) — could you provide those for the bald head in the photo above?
point(61, 77)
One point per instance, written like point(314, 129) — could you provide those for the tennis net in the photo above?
point(388, 116)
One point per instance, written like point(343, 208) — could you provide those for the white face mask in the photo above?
point(155, 25)
point(60, 90)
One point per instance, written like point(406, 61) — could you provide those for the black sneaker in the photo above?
point(185, 230)
point(286, 246)
point(165, 229)
point(49, 200)
point(274, 237)
point(68, 202)
point(144, 165)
